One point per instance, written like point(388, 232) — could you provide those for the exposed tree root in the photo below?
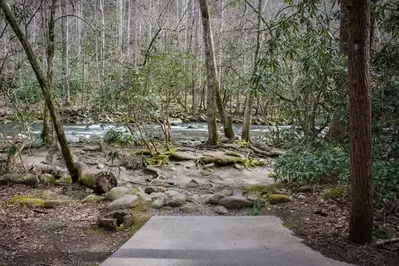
point(153, 171)
point(182, 156)
point(221, 160)
point(258, 151)
point(234, 154)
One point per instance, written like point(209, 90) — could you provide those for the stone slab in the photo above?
point(216, 241)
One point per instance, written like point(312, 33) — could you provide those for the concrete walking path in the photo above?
point(216, 241)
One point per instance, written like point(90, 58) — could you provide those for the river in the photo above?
point(185, 131)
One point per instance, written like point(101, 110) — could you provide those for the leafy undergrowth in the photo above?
point(324, 163)
point(64, 234)
point(323, 224)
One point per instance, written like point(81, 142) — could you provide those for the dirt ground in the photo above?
point(68, 234)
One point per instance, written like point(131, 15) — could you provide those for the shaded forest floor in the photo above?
point(68, 234)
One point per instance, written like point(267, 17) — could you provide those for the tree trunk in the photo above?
point(212, 77)
point(361, 219)
point(245, 132)
point(102, 50)
point(45, 86)
point(210, 73)
point(65, 53)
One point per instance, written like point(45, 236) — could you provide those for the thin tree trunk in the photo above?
point(337, 127)
point(196, 90)
point(128, 31)
point(45, 86)
point(211, 74)
point(361, 218)
point(102, 50)
point(65, 53)
point(48, 39)
point(245, 132)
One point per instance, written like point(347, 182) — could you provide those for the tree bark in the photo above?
point(210, 73)
point(45, 86)
point(361, 218)
point(337, 128)
point(65, 53)
point(245, 132)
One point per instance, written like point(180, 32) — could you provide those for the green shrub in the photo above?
point(112, 136)
point(325, 163)
point(315, 165)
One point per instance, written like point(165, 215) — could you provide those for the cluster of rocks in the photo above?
point(160, 197)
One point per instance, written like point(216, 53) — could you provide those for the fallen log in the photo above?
point(24, 179)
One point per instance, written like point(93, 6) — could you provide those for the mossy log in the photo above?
point(24, 179)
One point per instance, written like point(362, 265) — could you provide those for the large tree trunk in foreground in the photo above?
point(361, 219)
point(210, 73)
point(46, 89)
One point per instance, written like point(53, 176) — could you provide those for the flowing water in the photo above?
point(187, 131)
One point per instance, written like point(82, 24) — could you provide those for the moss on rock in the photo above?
point(262, 189)
point(278, 198)
point(93, 198)
point(335, 193)
point(65, 179)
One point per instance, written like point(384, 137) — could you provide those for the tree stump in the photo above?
point(112, 220)
point(104, 182)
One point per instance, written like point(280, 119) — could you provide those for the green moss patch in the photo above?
point(262, 189)
point(40, 198)
point(28, 201)
point(335, 193)
point(278, 198)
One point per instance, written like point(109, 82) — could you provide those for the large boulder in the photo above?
point(191, 207)
point(25, 179)
point(176, 201)
point(221, 210)
point(158, 203)
point(215, 198)
point(127, 201)
point(157, 195)
point(118, 192)
point(235, 202)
